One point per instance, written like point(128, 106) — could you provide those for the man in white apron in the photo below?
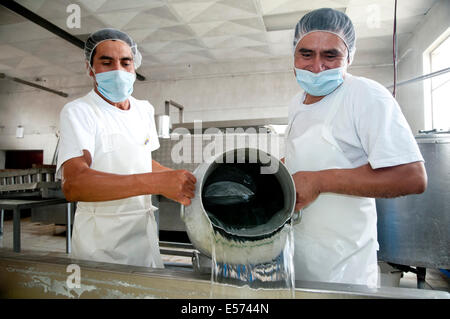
point(105, 162)
point(347, 142)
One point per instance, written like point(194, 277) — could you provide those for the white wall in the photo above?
point(223, 95)
point(37, 111)
point(227, 91)
point(411, 96)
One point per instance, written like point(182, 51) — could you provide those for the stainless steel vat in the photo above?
point(414, 230)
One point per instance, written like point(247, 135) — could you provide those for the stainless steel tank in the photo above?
point(414, 230)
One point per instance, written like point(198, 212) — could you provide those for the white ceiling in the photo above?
point(172, 32)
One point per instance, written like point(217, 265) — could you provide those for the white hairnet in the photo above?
point(110, 34)
point(327, 20)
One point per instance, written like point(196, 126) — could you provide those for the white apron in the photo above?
point(336, 240)
point(118, 231)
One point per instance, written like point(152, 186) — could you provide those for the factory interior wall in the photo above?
point(222, 95)
point(411, 97)
point(211, 92)
point(37, 111)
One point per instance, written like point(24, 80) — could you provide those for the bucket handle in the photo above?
point(182, 212)
point(297, 217)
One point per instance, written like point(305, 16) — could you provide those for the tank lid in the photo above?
point(433, 136)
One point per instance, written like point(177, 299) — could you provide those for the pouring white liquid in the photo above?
point(270, 279)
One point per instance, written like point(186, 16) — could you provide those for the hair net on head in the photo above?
point(110, 34)
point(327, 20)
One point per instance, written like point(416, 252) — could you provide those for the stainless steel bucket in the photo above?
point(249, 222)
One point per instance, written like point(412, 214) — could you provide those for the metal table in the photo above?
point(16, 205)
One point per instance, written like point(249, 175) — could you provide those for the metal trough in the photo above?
point(47, 275)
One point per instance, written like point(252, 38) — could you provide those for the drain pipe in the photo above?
point(4, 76)
point(422, 77)
point(33, 17)
point(178, 106)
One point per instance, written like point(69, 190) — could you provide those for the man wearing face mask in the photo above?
point(347, 143)
point(105, 162)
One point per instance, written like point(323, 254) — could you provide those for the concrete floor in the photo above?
point(52, 238)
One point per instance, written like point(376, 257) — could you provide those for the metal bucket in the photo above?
point(249, 219)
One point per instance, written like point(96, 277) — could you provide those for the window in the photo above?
point(440, 86)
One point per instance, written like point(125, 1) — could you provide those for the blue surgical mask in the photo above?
point(322, 83)
point(115, 85)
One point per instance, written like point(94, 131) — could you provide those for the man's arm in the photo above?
point(361, 181)
point(157, 167)
point(81, 183)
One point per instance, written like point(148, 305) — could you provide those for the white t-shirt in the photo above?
point(369, 126)
point(79, 126)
